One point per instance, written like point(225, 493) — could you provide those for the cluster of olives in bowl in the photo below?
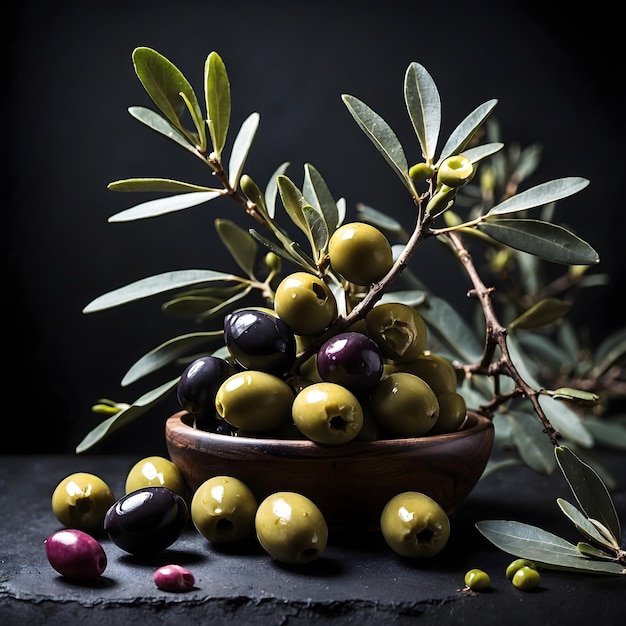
point(348, 418)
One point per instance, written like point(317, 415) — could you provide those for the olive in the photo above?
point(81, 501)
point(75, 554)
point(199, 383)
point(442, 200)
point(255, 401)
point(421, 172)
point(173, 578)
point(259, 340)
point(404, 405)
point(291, 528)
point(414, 525)
point(156, 471)
point(513, 566)
point(436, 370)
point(452, 413)
point(305, 303)
point(350, 359)
point(360, 253)
point(477, 580)
point(327, 413)
point(147, 520)
point(526, 578)
point(398, 330)
point(455, 171)
point(223, 510)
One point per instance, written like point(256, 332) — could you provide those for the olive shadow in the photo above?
point(321, 567)
point(165, 557)
point(101, 582)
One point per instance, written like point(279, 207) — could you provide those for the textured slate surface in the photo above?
point(357, 581)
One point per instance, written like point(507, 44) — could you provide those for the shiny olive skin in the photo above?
point(327, 413)
point(291, 528)
point(255, 401)
point(146, 521)
point(75, 554)
point(350, 359)
point(516, 564)
point(526, 578)
point(398, 330)
point(437, 371)
point(173, 578)
point(81, 501)
point(259, 340)
point(452, 413)
point(223, 510)
point(156, 471)
point(199, 383)
point(404, 405)
point(477, 580)
point(305, 303)
point(360, 253)
point(455, 171)
point(414, 525)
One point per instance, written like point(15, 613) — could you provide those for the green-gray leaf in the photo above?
point(464, 132)
point(317, 229)
point(542, 313)
point(424, 106)
point(578, 396)
point(590, 492)
point(541, 194)
point(607, 433)
point(582, 523)
point(533, 447)
point(162, 206)
point(240, 243)
point(218, 104)
point(167, 353)
point(382, 136)
point(241, 148)
point(316, 192)
point(591, 551)
point(293, 201)
point(126, 416)
point(542, 239)
point(156, 184)
point(154, 285)
point(162, 126)
point(544, 548)
point(271, 190)
point(478, 153)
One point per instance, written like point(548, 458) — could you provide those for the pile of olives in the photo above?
point(287, 375)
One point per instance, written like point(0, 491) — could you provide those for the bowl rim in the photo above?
point(474, 424)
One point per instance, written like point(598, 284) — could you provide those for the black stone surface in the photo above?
point(357, 581)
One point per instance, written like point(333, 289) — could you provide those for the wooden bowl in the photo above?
point(350, 483)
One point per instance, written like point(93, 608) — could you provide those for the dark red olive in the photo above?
point(75, 554)
point(147, 520)
point(259, 340)
point(350, 359)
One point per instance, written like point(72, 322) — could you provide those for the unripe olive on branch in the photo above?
point(421, 172)
point(455, 171)
point(441, 201)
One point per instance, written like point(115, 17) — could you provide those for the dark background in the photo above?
point(69, 80)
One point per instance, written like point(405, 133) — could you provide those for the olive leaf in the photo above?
point(583, 524)
point(542, 313)
point(577, 396)
point(167, 353)
point(240, 244)
point(218, 104)
point(156, 184)
point(316, 191)
point(463, 133)
point(536, 451)
point(241, 147)
point(478, 153)
point(424, 106)
point(202, 302)
point(162, 126)
point(141, 406)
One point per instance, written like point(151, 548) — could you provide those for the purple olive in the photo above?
point(147, 520)
point(173, 578)
point(75, 554)
point(350, 359)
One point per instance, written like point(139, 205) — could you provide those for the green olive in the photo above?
point(437, 371)
point(526, 578)
point(441, 200)
point(81, 500)
point(223, 510)
point(360, 253)
point(414, 525)
point(404, 405)
point(517, 564)
point(452, 413)
point(291, 528)
point(254, 401)
point(455, 171)
point(477, 580)
point(398, 330)
point(156, 471)
point(327, 413)
point(421, 172)
point(305, 303)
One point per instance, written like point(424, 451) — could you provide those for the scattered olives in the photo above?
point(477, 580)
point(414, 525)
point(81, 501)
point(147, 520)
point(156, 471)
point(75, 554)
point(513, 566)
point(173, 578)
point(291, 528)
point(526, 578)
point(223, 510)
